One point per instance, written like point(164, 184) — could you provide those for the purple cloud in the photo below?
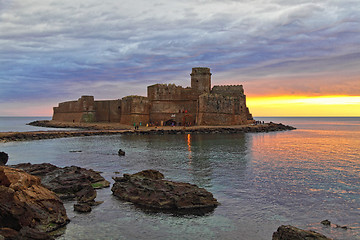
point(59, 50)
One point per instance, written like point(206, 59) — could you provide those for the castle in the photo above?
point(165, 104)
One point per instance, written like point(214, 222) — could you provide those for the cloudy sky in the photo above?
point(54, 51)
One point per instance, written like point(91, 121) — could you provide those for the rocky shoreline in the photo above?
point(32, 195)
point(111, 129)
point(39, 189)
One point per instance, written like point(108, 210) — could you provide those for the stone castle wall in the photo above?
point(135, 110)
point(229, 90)
point(215, 109)
point(170, 92)
point(165, 104)
point(108, 110)
point(171, 103)
point(82, 110)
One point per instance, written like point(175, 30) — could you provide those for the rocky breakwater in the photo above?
point(148, 189)
point(38, 135)
point(69, 183)
point(27, 209)
point(269, 127)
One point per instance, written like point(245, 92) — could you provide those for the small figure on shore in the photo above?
point(121, 152)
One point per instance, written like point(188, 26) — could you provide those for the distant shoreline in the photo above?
point(93, 129)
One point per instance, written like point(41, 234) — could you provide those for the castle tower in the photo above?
point(201, 79)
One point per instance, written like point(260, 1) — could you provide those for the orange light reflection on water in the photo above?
point(309, 154)
point(189, 148)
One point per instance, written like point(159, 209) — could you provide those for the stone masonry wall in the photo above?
point(169, 102)
point(216, 109)
point(229, 90)
point(82, 110)
point(108, 110)
point(178, 111)
point(170, 92)
point(135, 109)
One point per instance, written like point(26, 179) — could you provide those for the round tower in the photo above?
point(201, 79)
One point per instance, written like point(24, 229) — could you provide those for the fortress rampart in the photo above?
point(165, 104)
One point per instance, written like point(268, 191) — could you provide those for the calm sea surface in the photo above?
point(18, 124)
point(262, 180)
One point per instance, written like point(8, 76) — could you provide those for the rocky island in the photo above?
point(149, 189)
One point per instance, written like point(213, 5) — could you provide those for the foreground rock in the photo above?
point(68, 182)
point(3, 158)
point(149, 189)
point(27, 209)
point(292, 233)
point(82, 207)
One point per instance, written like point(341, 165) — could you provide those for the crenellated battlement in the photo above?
point(170, 92)
point(229, 90)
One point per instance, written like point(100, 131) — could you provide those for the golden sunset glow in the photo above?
point(189, 148)
point(305, 106)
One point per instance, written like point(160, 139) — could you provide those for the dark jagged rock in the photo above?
point(4, 157)
point(86, 194)
point(343, 227)
point(326, 222)
point(82, 207)
point(149, 190)
point(8, 233)
point(121, 152)
point(27, 233)
point(152, 174)
point(68, 182)
point(292, 233)
point(27, 207)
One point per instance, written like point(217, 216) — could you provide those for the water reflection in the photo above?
point(316, 170)
point(189, 147)
point(212, 156)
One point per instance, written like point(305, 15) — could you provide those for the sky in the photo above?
point(294, 58)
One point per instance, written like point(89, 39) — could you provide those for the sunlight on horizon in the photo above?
point(296, 106)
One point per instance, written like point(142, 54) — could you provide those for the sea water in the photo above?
point(262, 180)
point(19, 124)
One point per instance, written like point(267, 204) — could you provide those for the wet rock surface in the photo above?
point(82, 207)
point(292, 233)
point(68, 182)
point(121, 152)
point(326, 222)
point(27, 209)
point(4, 157)
point(148, 189)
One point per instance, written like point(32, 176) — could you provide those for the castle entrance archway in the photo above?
point(170, 122)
